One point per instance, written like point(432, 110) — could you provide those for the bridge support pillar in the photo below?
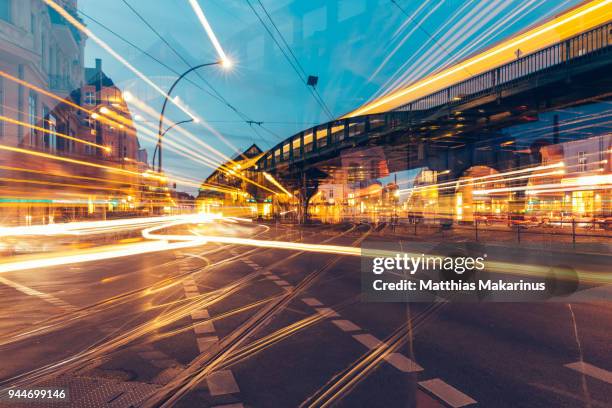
point(308, 188)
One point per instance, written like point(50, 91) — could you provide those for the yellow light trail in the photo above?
point(52, 183)
point(161, 243)
point(468, 181)
point(53, 96)
point(50, 132)
point(81, 227)
point(100, 166)
point(209, 160)
point(272, 180)
point(46, 173)
point(568, 24)
point(587, 181)
point(78, 25)
point(66, 159)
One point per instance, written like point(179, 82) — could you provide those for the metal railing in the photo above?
point(330, 135)
point(584, 44)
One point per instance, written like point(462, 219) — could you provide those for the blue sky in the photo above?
point(358, 48)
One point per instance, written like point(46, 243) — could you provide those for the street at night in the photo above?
point(310, 204)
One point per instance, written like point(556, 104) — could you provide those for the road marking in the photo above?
point(222, 383)
point(192, 294)
point(312, 302)
point(41, 295)
point(200, 314)
point(367, 340)
point(204, 343)
point(282, 283)
point(327, 311)
point(197, 256)
point(447, 393)
point(591, 370)
point(190, 288)
point(204, 328)
point(346, 325)
point(403, 363)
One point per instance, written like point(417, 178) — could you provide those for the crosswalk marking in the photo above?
point(282, 282)
point(41, 295)
point(367, 340)
point(403, 363)
point(204, 343)
point(200, 314)
point(222, 383)
point(204, 328)
point(327, 311)
point(447, 393)
point(346, 325)
point(312, 302)
point(591, 370)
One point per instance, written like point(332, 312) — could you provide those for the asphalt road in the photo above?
point(229, 325)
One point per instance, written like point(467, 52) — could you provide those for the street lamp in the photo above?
point(164, 133)
point(225, 63)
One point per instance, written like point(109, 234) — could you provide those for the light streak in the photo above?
point(83, 227)
point(468, 181)
point(112, 52)
point(551, 32)
point(51, 132)
point(272, 180)
point(66, 159)
point(587, 181)
point(108, 252)
point(66, 101)
point(209, 31)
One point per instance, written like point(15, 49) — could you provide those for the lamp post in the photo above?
point(225, 63)
point(164, 133)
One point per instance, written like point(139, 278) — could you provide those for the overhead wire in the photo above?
point(295, 64)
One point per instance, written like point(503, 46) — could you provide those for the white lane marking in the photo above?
point(591, 370)
point(192, 294)
point(190, 288)
point(41, 295)
point(327, 311)
point(197, 256)
point(346, 325)
point(204, 343)
point(268, 273)
point(403, 363)
point(282, 283)
point(204, 328)
point(312, 302)
point(222, 383)
point(367, 340)
point(200, 314)
point(447, 393)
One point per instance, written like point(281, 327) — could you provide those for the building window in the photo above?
point(90, 98)
point(50, 138)
point(20, 103)
point(32, 117)
point(43, 52)
point(582, 161)
point(6, 10)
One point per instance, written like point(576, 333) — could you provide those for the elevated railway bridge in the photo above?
point(450, 127)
